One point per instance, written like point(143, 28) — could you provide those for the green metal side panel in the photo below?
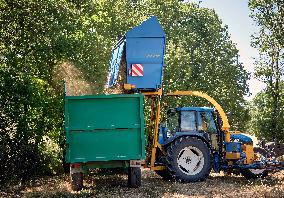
point(104, 128)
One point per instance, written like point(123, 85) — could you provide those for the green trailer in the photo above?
point(104, 131)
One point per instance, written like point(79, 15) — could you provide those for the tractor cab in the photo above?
point(198, 121)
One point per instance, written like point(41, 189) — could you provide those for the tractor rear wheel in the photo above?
point(189, 159)
point(134, 177)
point(256, 173)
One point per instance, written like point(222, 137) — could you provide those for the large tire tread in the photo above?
point(172, 165)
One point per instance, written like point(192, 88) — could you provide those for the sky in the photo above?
point(235, 14)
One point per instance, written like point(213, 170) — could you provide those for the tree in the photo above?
point(35, 37)
point(201, 56)
point(269, 16)
point(262, 123)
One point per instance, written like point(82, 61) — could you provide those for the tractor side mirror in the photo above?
point(229, 115)
point(171, 111)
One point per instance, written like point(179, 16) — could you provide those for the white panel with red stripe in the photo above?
point(136, 70)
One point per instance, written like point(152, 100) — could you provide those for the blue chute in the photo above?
point(117, 54)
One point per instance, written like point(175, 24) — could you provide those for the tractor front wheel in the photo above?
point(189, 159)
point(254, 173)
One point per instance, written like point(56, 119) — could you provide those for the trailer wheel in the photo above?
point(76, 181)
point(165, 174)
point(256, 173)
point(189, 159)
point(134, 177)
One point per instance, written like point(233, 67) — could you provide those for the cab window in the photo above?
point(206, 122)
point(187, 121)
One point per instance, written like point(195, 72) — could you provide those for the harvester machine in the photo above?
point(193, 140)
point(107, 131)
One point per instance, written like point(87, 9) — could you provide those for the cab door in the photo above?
point(206, 123)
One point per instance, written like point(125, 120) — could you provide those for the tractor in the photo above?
point(194, 140)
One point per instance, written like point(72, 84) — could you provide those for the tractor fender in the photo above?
point(203, 136)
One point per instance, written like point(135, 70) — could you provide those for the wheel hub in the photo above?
point(257, 171)
point(190, 160)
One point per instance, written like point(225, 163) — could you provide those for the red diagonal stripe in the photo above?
point(136, 71)
point(133, 72)
point(138, 68)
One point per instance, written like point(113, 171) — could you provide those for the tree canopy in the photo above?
point(269, 16)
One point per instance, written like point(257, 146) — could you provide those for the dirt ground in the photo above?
point(217, 185)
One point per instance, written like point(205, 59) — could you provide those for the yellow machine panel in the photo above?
point(248, 149)
point(233, 156)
